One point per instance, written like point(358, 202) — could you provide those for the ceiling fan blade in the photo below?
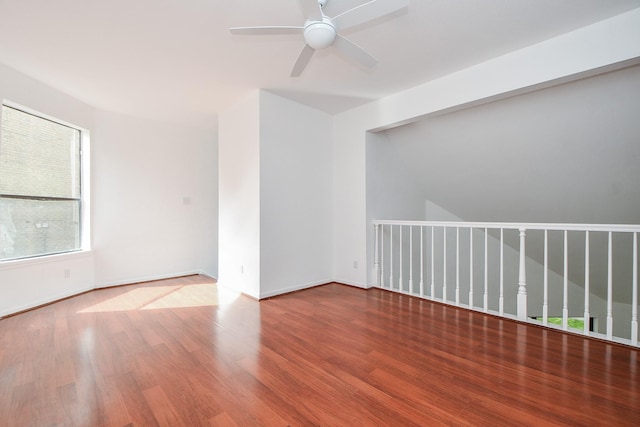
point(302, 61)
point(368, 12)
point(265, 31)
point(311, 9)
point(354, 52)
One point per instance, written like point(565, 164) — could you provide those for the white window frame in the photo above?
point(85, 189)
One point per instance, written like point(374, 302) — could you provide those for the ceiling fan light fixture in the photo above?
point(321, 31)
point(319, 34)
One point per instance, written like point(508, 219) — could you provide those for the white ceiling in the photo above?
point(175, 59)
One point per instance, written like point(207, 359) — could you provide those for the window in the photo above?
point(40, 186)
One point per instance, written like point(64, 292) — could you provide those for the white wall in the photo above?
point(295, 196)
point(607, 45)
point(239, 196)
point(275, 196)
point(566, 154)
point(23, 90)
point(154, 199)
point(393, 191)
point(141, 171)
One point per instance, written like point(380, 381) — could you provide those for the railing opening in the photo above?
point(575, 323)
point(529, 272)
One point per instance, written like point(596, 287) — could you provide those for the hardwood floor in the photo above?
point(183, 352)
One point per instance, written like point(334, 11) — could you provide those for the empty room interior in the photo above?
point(319, 212)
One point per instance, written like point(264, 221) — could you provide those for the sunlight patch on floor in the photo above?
point(162, 297)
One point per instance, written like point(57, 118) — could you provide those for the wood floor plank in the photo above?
point(183, 352)
point(162, 408)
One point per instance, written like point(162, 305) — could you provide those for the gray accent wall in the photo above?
point(569, 153)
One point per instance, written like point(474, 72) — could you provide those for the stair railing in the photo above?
point(485, 267)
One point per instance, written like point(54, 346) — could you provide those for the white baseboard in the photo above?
point(294, 288)
point(205, 274)
point(355, 284)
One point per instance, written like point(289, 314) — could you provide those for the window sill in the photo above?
point(46, 259)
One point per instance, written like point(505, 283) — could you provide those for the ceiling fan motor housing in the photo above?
point(320, 34)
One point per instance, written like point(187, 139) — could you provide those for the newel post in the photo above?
point(522, 279)
point(376, 256)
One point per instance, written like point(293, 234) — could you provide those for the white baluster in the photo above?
point(411, 259)
point(545, 300)
point(376, 260)
point(634, 299)
point(522, 278)
point(421, 261)
point(486, 269)
point(383, 271)
point(444, 264)
point(470, 267)
point(382, 256)
point(565, 285)
point(433, 264)
point(400, 283)
point(457, 265)
point(587, 291)
point(610, 288)
point(501, 298)
point(391, 256)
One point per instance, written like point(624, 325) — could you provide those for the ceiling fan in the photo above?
point(321, 31)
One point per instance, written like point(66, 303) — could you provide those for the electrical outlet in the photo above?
point(355, 265)
point(67, 273)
